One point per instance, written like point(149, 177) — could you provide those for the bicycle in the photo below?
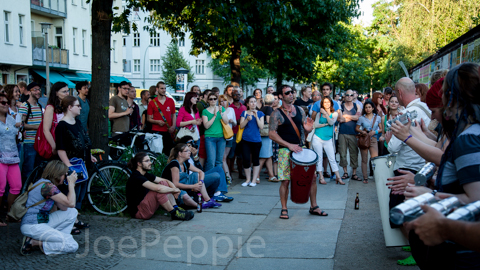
point(106, 187)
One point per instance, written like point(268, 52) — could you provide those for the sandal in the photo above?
point(81, 225)
point(284, 214)
point(26, 248)
point(75, 231)
point(355, 177)
point(365, 181)
point(312, 212)
point(2, 223)
point(410, 261)
point(326, 175)
point(322, 181)
point(273, 179)
point(345, 176)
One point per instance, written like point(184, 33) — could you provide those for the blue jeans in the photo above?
point(215, 147)
point(216, 174)
point(80, 191)
point(29, 160)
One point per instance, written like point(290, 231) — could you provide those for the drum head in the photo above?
point(307, 156)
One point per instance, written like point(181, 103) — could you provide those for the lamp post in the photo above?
point(182, 80)
point(45, 27)
point(145, 54)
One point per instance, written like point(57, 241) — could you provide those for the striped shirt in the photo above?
point(463, 166)
point(35, 118)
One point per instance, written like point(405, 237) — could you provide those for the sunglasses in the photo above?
point(212, 99)
point(288, 93)
point(349, 95)
point(4, 103)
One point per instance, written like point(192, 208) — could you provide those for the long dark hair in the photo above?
point(138, 158)
point(460, 90)
point(53, 99)
point(375, 97)
point(187, 102)
point(369, 101)
point(331, 104)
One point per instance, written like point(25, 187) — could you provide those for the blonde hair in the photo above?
point(223, 97)
point(54, 171)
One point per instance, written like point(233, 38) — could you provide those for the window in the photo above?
point(154, 65)
point(20, 27)
point(7, 26)
point(124, 41)
point(32, 25)
point(114, 56)
point(74, 40)
point(58, 37)
point(127, 65)
point(200, 67)
point(181, 43)
point(136, 39)
point(74, 2)
point(81, 3)
point(136, 65)
point(84, 37)
point(155, 39)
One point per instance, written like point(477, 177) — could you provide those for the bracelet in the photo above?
point(376, 132)
point(409, 136)
point(434, 192)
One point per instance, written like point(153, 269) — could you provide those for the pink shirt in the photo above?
point(238, 113)
point(184, 116)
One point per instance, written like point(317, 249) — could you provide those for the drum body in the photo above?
point(383, 168)
point(302, 169)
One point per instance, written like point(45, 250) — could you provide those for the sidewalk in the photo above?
point(248, 232)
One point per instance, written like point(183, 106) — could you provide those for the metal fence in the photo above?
point(57, 56)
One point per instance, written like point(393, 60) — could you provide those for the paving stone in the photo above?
point(279, 264)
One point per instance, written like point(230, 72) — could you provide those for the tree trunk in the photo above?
point(101, 32)
point(235, 64)
point(279, 72)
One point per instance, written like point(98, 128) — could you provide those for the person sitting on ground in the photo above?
point(146, 192)
point(178, 169)
point(51, 215)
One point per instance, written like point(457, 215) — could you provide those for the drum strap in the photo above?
point(293, 124)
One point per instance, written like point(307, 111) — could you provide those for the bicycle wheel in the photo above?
point(34, 176)
point(106, 188)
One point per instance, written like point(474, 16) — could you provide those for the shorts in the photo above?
point(284, 164)
point(229, 143)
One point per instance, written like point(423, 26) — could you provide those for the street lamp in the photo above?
point(45, 27)
point(145, 54)
point(182, 80)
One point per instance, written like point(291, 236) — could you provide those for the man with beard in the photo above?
point(229, 92)
point(289, 137)
point(146, 192)
point(161, 113)
point(119, 111)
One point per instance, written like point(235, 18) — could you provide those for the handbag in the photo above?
point(41, 145)
point(184, 131)
point(18, 208)
point(78, 166)
point(227, 130)
point(363, 141)
point(239, 134)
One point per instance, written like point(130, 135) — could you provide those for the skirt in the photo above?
point(267, 150)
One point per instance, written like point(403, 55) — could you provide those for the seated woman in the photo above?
point(178, 169)
point(51, 215)
point(146, 192)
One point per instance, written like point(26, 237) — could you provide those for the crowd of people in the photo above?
point(202, 154)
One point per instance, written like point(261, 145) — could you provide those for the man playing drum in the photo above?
point(288, 136)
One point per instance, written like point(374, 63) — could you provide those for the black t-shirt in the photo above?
point(24, 98)
point(136, 191)
point(300, 102)
point(167, 172)
point(74, 140)
point(267, 110)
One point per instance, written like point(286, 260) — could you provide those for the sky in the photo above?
point(366, 12)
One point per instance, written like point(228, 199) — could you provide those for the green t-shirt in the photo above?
point(216, 129)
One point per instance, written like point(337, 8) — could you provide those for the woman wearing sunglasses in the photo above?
point(214, 140)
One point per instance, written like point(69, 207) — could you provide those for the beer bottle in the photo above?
point(199, 205)
point(357, 203)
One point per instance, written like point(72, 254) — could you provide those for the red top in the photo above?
point(167, 108)
point(238, 113)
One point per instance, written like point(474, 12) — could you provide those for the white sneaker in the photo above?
point(252, 184)
point(244, 184)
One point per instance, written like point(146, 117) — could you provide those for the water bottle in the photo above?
point(199, 205)
point(407, 210)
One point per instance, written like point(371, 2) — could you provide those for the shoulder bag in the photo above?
point(41, 145)
point(363, 141)
point(18, 208)
point(227, 130)
point(174, 134)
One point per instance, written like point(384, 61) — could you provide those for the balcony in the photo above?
point(49, 8)
point(58, 58)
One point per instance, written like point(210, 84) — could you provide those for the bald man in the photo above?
point(408, 162)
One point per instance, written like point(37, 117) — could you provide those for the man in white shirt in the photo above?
point(408, 162)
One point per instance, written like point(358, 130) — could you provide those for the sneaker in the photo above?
point(222, 198)
point(229, 180)
point(182, 215)
point(244, 184)
point(252, 184)
point(210, 204)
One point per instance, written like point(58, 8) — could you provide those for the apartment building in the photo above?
point(142, 53)
point(23, 56)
